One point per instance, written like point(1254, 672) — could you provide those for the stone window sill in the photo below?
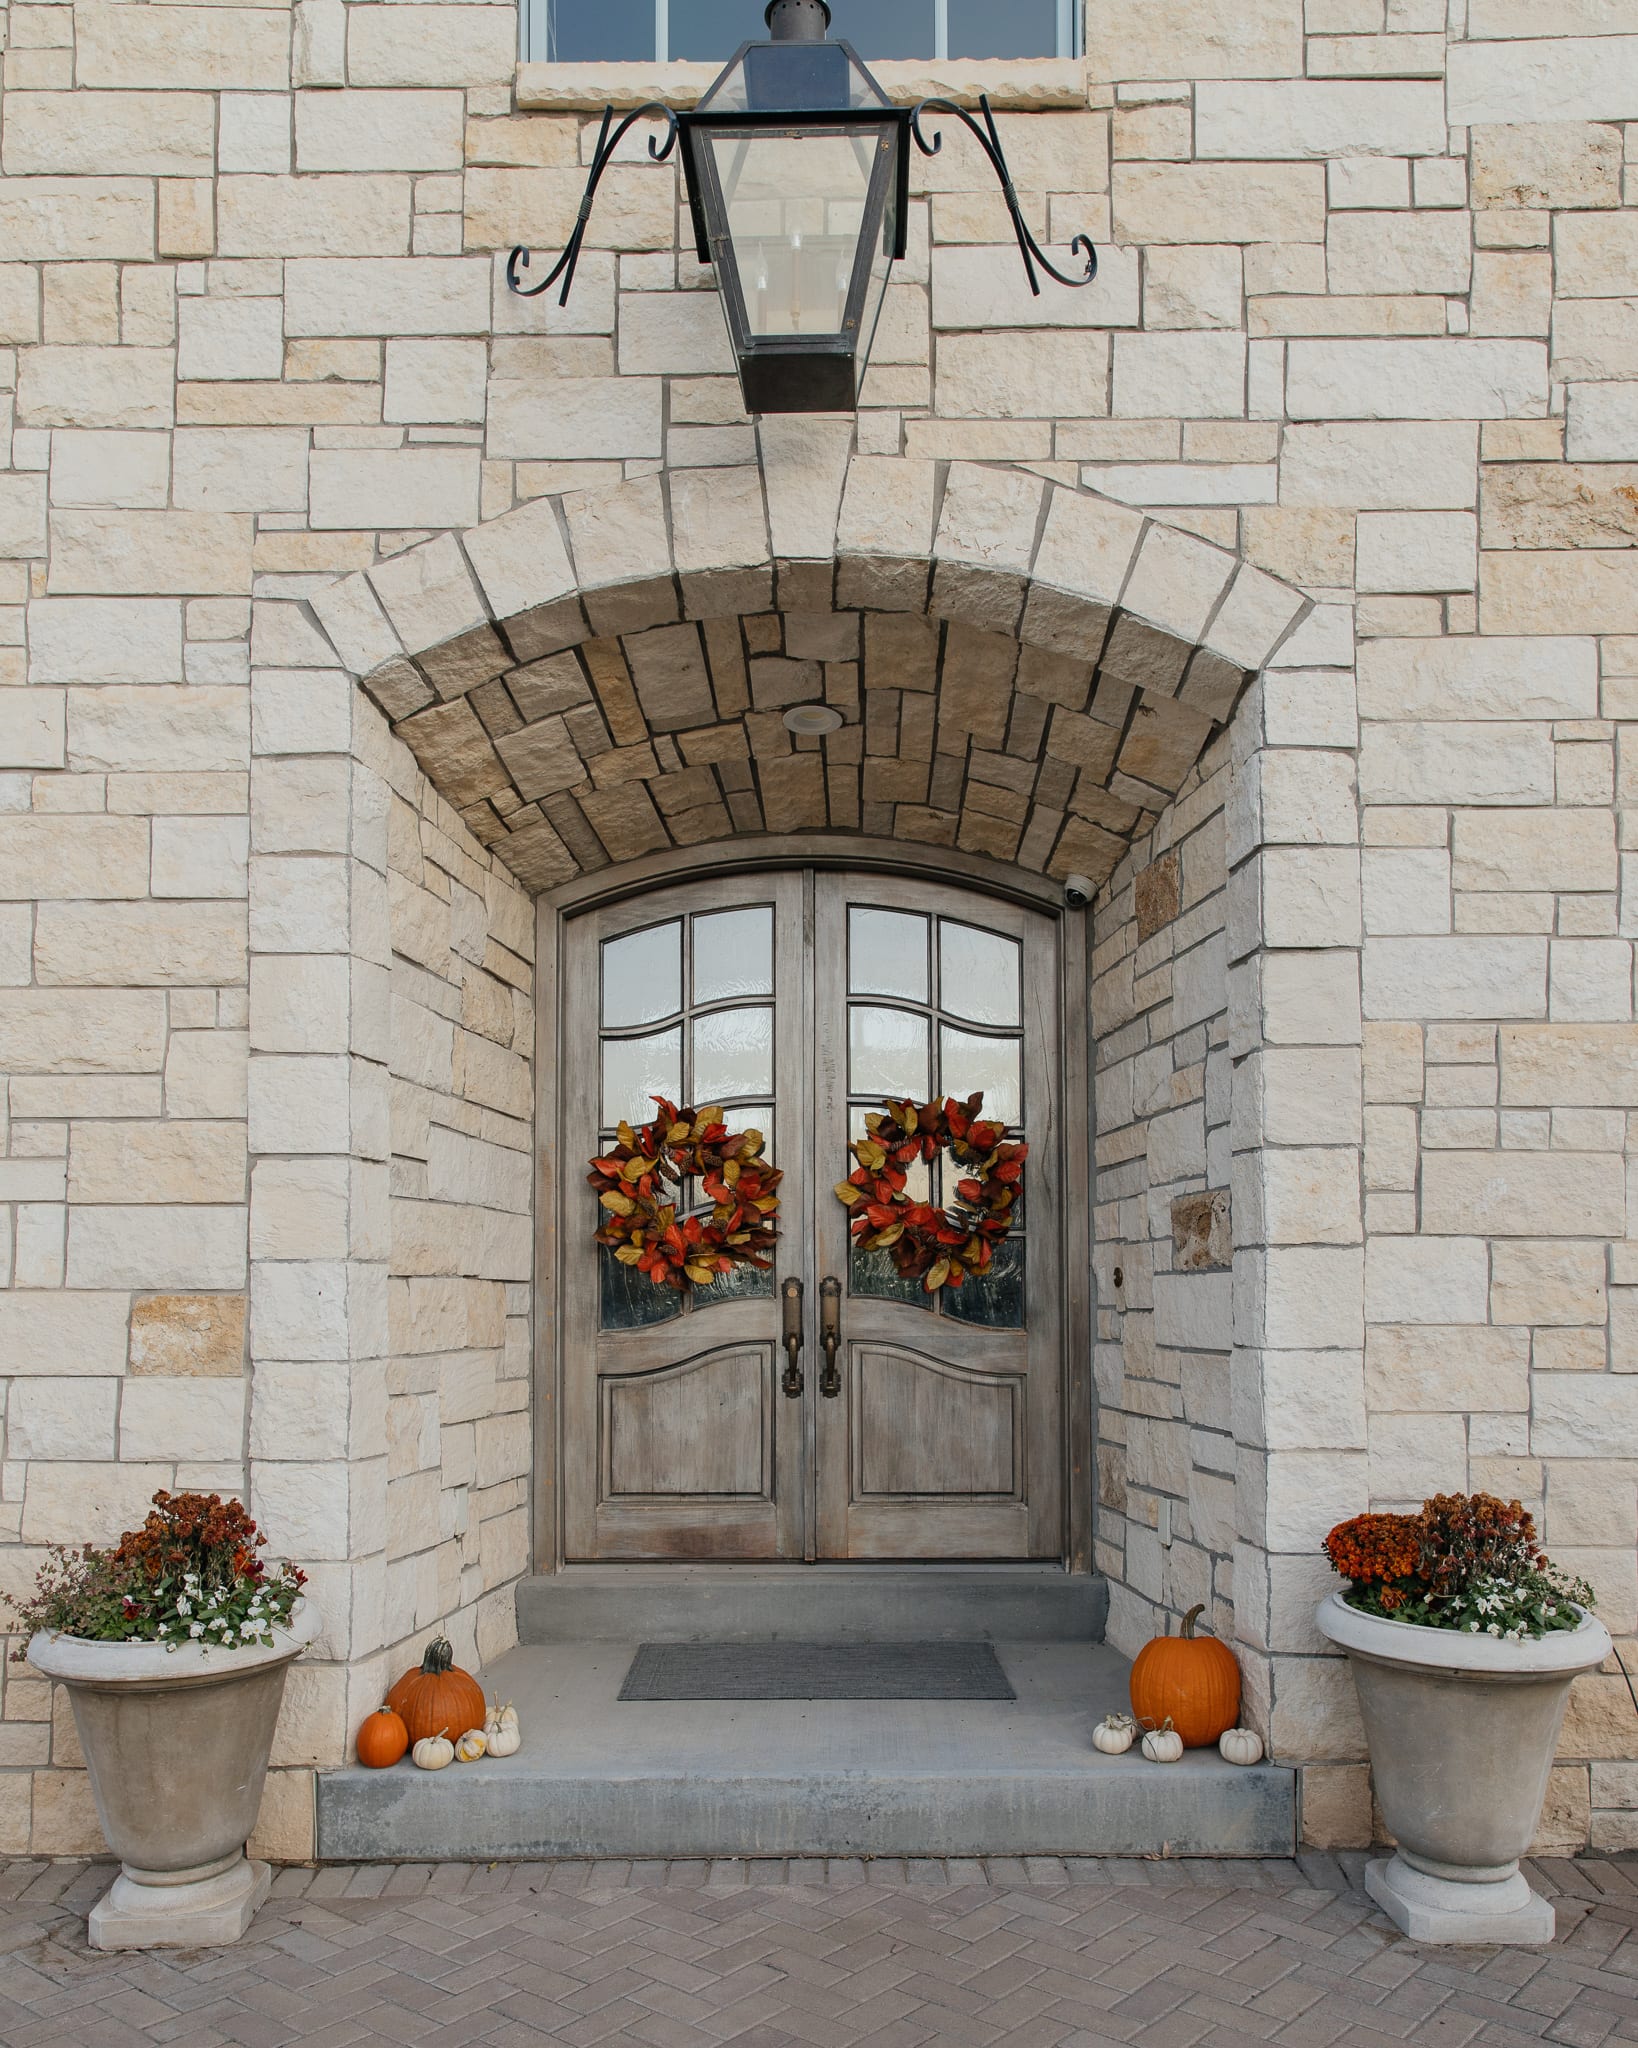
point(1017, 85)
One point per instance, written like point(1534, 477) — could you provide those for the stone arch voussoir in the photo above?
point(1025, 670)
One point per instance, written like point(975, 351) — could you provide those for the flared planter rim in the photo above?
point(75, 1660)
point(1413, 1646)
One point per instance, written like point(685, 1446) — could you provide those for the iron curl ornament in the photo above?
point(659, 148)
point(988, 138)
point(637, 1181)
point(940, 1247)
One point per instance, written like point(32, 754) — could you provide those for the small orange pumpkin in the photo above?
point(382, 1740)
point(1192, 1681)
point(437, 1694)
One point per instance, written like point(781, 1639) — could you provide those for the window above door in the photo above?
point(709, 31)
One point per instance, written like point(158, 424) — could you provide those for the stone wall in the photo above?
point(1165, 1530)
point(1364, 322)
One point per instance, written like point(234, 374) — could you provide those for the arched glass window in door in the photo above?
point(687, 1012)
point(935, 1008)
point(710, 31)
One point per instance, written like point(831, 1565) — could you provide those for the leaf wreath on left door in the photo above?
point(939, 1247)
point(637, 1183)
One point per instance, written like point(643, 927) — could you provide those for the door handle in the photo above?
point(795, 1380)
point(830, 1334)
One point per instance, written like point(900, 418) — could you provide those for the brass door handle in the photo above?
point(830, 1334)
point(795, 1380)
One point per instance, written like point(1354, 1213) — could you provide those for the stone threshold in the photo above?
point(1018, 85)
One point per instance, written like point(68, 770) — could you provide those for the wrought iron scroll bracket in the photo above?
point(989, 140)
point(659, 148)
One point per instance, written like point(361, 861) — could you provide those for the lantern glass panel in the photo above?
point(796, 210)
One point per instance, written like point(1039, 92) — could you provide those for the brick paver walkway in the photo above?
point(1034, 1954)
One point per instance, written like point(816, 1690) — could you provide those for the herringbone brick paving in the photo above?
point(1032, 1952)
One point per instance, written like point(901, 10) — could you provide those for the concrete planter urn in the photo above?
point(177, 1743)
point(1462, 1731)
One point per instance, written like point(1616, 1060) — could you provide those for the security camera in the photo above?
point(1078, 891)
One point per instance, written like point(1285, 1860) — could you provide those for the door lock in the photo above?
point(795, 1380)
point(830, 1334)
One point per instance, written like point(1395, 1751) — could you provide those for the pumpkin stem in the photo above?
point(1189, 1620)
point(439, 1655)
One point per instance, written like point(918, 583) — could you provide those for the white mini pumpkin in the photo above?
point(504, 1740)
point(433, 1752)
point(472, 1745)
point(499, 1717)
point(1240, 1746)
point(1114, 1734)
point(1163, 1745)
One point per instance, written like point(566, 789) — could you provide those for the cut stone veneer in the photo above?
point(1024, 670)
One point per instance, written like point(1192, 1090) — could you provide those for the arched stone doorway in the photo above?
point(1027, 675)
point(1026, 672)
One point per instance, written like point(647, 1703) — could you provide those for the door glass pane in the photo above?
point(733, 955)
point(642, 976)
point(977, 973)
point(589, 31)
point(634, 1069)
point(873, 1275)
point(887, 1052)
point(969, 1063)
point(887, 954)
point(995, 1302)
point(1020, 28)
point(631, 1301)
point(733, 1055)
point(795, 212)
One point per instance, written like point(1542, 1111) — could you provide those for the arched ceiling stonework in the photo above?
point(1025, 671)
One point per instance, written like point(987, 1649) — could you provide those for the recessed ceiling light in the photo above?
point(812, 719)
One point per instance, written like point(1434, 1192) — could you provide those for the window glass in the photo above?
point(587, 31)
point(972, 1065)
point(1019, 28)
point(887, 1053)
point(710, 31)
point(733, 1055)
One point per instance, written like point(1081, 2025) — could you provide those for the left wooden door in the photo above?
point(682, 1444)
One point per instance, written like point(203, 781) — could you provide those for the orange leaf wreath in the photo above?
point(635, 1182)
point(938, 1247)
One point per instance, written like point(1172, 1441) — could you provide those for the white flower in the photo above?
point(196, 1628)
point(1494, 1629)
point(184, 1606)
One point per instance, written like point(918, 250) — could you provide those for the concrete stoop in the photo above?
point(597, 1776)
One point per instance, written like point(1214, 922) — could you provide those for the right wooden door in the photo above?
point(945, 1436)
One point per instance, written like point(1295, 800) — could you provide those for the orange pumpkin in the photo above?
point(1192, 1681)
point(437, 1697)
point(382, 1740)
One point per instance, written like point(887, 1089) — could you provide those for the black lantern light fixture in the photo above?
point(798, 174)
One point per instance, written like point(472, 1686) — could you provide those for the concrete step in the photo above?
point(822, 1603)
point(597, 1776)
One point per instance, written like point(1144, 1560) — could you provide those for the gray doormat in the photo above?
point(816, 1671)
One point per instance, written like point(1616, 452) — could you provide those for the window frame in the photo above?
point(534, 35)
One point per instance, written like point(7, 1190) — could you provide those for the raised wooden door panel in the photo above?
point(945, 1438)
point(677, 1439)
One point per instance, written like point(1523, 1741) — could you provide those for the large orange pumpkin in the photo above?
point(1192, 1681)
point(436, 1697)
point(382, 1740)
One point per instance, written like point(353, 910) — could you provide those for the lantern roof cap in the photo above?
point(795, 72)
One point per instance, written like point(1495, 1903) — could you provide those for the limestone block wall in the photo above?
point(1163, 1076)
point(1365, 320)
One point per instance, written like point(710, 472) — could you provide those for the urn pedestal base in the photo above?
point(1441, 1911)
point(200, 1912)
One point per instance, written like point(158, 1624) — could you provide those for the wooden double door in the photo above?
point(930, 1427)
